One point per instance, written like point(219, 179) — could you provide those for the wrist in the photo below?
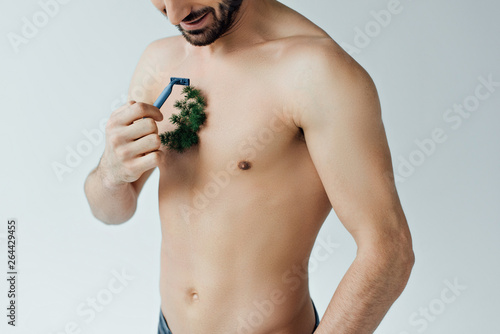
point(108, 181)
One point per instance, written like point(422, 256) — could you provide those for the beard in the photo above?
point(220, 25)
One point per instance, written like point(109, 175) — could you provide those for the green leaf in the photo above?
point(189, 121)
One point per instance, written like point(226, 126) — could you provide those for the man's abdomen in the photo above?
point(234, 259)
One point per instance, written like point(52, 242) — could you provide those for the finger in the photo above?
point(115, 115)
point(141, 128)
point(137, 111)
point(142, 146)
point(149, 161)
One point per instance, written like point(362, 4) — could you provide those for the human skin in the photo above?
point(293, 129)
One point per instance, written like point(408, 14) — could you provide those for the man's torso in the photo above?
point(241, 210)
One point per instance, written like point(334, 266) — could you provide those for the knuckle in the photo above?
point(156, 141)
point(152, 125)
point(114, 140)
point(155, 158)
point(110, 123)
point(122, 153)
point(128, 170)
point(129, 106)
point(140, 108)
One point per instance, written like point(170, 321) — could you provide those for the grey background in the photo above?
point(76, 69)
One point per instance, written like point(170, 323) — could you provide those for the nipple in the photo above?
point(244, 165)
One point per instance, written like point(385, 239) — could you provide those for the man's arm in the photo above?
point(112, 202)
point(346, 140)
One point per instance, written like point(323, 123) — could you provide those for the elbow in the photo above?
point(410, 258)
point(397, 267)
point(407, 255)
point(402, 261)
point(406, 265)
point(403, 271)
point(398, 247)
point(115, 216)
point(392, 258)
point(112, 220)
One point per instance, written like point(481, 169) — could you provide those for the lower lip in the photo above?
point(196, 25)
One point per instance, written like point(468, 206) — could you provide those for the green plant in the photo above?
point(189, 121)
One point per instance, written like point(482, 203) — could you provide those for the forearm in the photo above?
point(365, 294)
point(110, 204)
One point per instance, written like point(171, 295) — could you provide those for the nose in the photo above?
point(177, 10)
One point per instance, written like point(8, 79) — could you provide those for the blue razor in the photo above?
point(168, 90)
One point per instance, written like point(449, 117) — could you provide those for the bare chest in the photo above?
point(246, 128)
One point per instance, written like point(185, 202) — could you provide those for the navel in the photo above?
point(193, 295)
point(244, 165)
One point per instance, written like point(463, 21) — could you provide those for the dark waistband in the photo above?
point(164, 329)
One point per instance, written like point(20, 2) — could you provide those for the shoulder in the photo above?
point(153, 68)
point(323, 59)
point(321, 74)
point(168, 48)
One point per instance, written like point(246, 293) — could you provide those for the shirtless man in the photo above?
point(293, 129)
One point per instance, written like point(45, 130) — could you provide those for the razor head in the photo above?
point(180, 81)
